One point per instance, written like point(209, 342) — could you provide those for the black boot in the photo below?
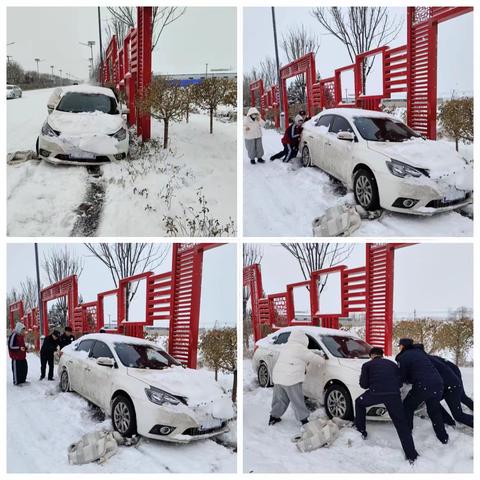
point(260, 160)
point(272, 158)
point(274, 420)
point(363, 433)
point(252, 161)
point(304, 421)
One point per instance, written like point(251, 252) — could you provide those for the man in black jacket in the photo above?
point(49, 347)
point(427, 386)
point(381, 379)
point(66, 338)
point(466, 400)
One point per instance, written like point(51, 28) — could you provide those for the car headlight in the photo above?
point(120, 134)
point(400, 169)
point(160, 397)
point(48, 130)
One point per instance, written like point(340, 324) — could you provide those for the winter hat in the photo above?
point(303, 113)
point(406, 342)
point(56, 333)
point(19, 327)
point(252, 111)
point(298, 119)
point(419, 346)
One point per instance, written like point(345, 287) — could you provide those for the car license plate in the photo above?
point(83, 155)
point(454, 195)
point(209, 423)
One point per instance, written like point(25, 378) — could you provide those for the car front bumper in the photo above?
point(431, 197)
point(62, 153)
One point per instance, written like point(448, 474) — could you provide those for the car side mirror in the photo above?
point(125, 111)
point(106, 362)
point(348, 136)
point(50, 109)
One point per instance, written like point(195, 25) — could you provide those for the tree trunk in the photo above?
point(456, 144)
point(211, 120)
point(216, 374)
point(188, 113)
point(165, 133)
point(234, 389)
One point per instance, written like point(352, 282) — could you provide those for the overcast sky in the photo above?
point(428, 277)
point(455, 45)
point(218, 303)
point(200, 36)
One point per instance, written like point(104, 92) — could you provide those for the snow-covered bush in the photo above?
point(456, 118)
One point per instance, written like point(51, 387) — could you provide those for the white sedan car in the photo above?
point(336, 384)
point(144, 389)
point(386, 163)
point(85, 126)
point(13, 91)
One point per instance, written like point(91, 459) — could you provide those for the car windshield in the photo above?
point(9, 87)
point(135, 355)
point(78, 102)
point(383, 129)
point(346, 347)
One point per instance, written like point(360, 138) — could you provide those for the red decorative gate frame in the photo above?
point(129, 69)
point(367, 289)
point(410, 69)
point(172, 296)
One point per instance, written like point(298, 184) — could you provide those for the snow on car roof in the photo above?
point(112, 338)
point(92, 89)
point(317, 331)
point(355, 112)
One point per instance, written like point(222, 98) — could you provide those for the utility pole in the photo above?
point(100, 36)
point(61, 78)
point(37, 61)
point(39, 295)
point(90, 44)
point(277, 60)
point(53, 74)
point(206, 71)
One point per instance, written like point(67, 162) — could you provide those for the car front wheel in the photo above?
point(64, 381)
point(263, 376)
point(338, 402)
point(123, 416)
point(306, 159)
point(366, 190)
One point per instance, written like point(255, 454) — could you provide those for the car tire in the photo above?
point(123, 416)
point(36, 146)
point(365, 189)
point(65, 381)
point(338, 402)
point(263, 376)
point(306, 159)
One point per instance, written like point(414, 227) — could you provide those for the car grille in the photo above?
point(99, 158)
point(203, 431)
point(442, 203)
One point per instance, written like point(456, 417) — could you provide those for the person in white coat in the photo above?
point(289, 375)
point(252, 133)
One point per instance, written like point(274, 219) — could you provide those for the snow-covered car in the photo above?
point(386, 163)
point(85, 126)
point(336, 384)
point(13, 91)
point(144, 389)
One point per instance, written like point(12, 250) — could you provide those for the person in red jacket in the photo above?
point(18, 354)
point(290, 140)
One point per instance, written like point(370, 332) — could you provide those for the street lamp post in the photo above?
point(90, 44)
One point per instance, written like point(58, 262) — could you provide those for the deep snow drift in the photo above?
point(145, 197)
point(282, 199)
point(269, 449)
point(42, 422)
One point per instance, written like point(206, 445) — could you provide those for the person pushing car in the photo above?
point(380, 378)
point(289, 375)
point(49, 347)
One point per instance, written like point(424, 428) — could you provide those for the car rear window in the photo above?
point(78, 102)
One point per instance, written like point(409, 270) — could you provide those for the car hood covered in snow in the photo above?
point(85, 123)
point(197, 386)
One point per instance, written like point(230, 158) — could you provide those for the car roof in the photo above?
point(91, 89)
point(113, 338)
point(350, 113)
point(315, 331)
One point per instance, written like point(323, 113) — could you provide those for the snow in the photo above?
point(282, 199)
point(270, 450)
point(42, 199)
point(84, 123)
point(42, 422)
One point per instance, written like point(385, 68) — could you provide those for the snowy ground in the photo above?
point(270, 450)
point(134, 198)
point(42, 422)
point(282, 200)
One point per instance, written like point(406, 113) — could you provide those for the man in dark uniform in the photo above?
point(427, 386)
point(452, 391)
point(381, 379)
point(49, 347)
point(465, 399)
point(66, 338)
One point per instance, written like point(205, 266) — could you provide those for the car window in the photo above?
point(85, 345)
point(346, 347)
point(101, 349)
point(282, 338)
point(324, 121)
point(340, 124)
point(313, 344)
point(144, 356)
point(78, 102)
point(383, 129)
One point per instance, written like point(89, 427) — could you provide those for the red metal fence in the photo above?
point(410, 69)
point(173, 297)
point(367, 289)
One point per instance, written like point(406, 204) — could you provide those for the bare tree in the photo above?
point(360, 29)
point(248, 78)
point(58, 264)
point(316, 256)
point(162, 17)
point(12, 296)
point(29, 293)
point(268, 71)
point(126, 259)
point(252, 253)
point(296, 43)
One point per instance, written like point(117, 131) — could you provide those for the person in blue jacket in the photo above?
point(452, 391)
point(417, 370)
point(381, 379)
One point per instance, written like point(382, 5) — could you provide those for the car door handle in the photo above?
point(87, 369)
